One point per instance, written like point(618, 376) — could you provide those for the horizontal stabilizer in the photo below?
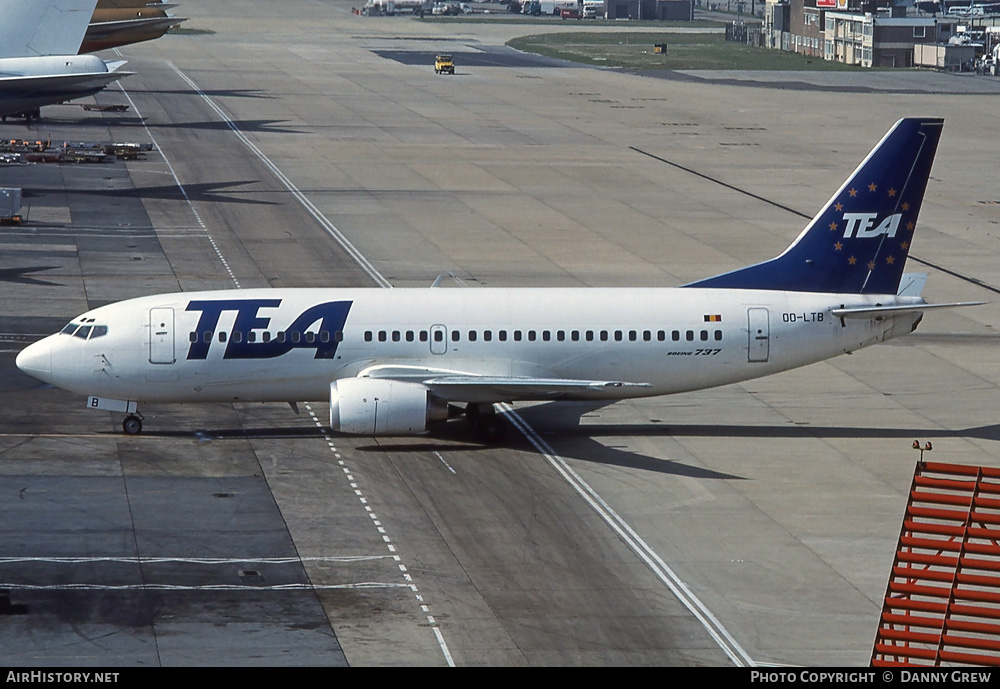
point(876, 311)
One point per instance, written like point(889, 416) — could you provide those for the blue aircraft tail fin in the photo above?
point(860, 240)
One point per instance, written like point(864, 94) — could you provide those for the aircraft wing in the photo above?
point(57, 83)
point(469, 387)
point(490, 388)
point(23, 93)
point(104, 35)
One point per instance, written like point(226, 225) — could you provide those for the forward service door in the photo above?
point(161, 336)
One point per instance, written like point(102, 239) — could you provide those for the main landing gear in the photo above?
point(489, 426)
point(132, 425)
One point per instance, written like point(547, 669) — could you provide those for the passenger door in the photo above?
point(161, 336)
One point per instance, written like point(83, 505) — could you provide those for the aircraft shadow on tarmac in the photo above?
point(220, 93)
point(21, 275)
point(204, 192)
point(245, 126)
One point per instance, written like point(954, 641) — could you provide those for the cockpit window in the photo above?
point(85, 332)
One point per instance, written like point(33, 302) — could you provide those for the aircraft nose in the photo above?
point(36, 360)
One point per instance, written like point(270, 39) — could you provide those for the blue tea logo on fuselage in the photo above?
point(331, 316)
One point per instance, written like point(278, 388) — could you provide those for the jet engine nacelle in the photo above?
point(374, 406)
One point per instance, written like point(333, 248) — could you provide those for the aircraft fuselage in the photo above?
point(289, 344)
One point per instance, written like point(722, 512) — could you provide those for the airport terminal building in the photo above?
point(867, 34)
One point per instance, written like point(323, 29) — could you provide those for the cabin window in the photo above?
point(531, 336)
point(297, 336)
point(396, 336)
point(618, 336)
point(604, 336)
point(472, 336)
point(590, 336)
point(368, 336)
point(310, 337)
point(266, 336)
point(280, 336)
point(438, 336)
point(192, 337)
point(324, 336)
point(646, 336)
point(237, 336)
point(382, 336)
point(546, 335)
point(207, 337)
point(409, 336)
point(517, 336)
point(560, 335)
point(488, 335)
point(704, 336)
point(718, 335)
point(423, 336)
point(661, 335)
point(251, 336)
point(689, 335)
point(502, 335)
point(632, 336)
point(675, 335)
point(575, 336)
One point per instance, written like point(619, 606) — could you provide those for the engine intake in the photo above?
point(375, 406)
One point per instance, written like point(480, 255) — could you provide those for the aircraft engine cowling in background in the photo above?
point(375, 406)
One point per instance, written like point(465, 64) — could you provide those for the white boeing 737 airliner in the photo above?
point(391, 360)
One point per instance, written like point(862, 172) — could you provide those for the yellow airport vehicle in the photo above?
point(443, 64)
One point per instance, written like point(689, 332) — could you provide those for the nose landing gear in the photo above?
point(132, 425)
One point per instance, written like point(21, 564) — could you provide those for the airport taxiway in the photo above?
point(752, 524)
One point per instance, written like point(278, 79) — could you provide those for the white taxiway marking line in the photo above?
point(635, 543)
point(438, 455)
point(390, 546)
point(666, 575)
point(205, 587)
point(194, 560)
point(177, 181)
point(330, 228)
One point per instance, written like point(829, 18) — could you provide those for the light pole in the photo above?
point(926, 448)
